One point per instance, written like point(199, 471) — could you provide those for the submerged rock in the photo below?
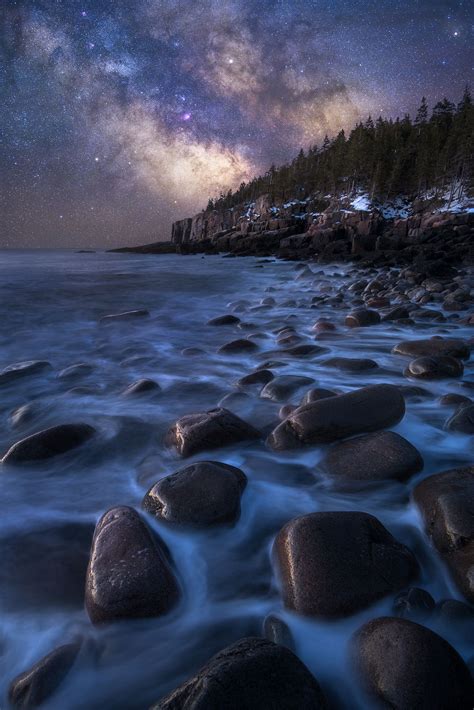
point(362, 317)
point(126, 315)
point(283, 387)
point(434, 368)
point(35, 686)
point(224, 320)
point(351, 364)
point(202, 494)
point(446, 501)
point(252, 674)
point(373, 457)
point(333, 564)
point(143, 386)
point(413, 603)
point(208, 430)
point(364, 410)
point(80, 369)
point(48, 443)
point(405, 666)
point(462, 420)
point(129, 575)
point(242, 345)
point(433, 347)
point(259, 377)
point(23, 369)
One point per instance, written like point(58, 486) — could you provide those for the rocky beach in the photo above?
point(240, 483)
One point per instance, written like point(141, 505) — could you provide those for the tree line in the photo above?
point(386, 158)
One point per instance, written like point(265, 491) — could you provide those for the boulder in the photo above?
point(362, 317)
point(23, 369)
point(462, 420)
point(333, 564)
point(364, 410)
point(202, 494)
point(433, 347)
point(313, 395)
point(259, 377)
point(373, 457)
point(129, 575)
point(434, 368)
point(283, 387)
point(351, 364)
point(252, 674)
point(48, 443)
point(404, 665)
point(208, 430)
point(143, 386)
point(446, 501)
point(224, 320)
point(36, 685)
point(242, 345)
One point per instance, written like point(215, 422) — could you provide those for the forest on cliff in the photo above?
point(386, 158)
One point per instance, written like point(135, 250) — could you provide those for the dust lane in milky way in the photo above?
point(119, 116)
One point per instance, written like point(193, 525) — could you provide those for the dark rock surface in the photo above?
point(333, 564)
point(434, 368)
point(462, 419)
point(351, 364)
point(362, 317)
point(252, 674)
point(23, 369)
point(202, 494)
point(446, 501)
point(414, 604)
point(48, 443)
point(224, 320)
point(208, 430)
point(129, 575)
point(364, 410)
point(142, 386)
point(406, 666)
point(283, 387)
point(433, 347)
point(373, 457)
point(242, 345)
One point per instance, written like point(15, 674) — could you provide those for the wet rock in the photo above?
point(397, 313)
point(23, 369)
point(323, 327)
point(192, 352)
point(275, 630)
point(48, 443)
point(80, 369)
point(36, 685)
point(283, 387)
point(315, 394)
point(446, 501)
point(143, 386)
point(304, 350)
point(364, 410)
point(286, 410)
point(253, 673)
point(259, 377)
point(333, 564)
point(453, 398)
point(462, 420)
point(362, 317)
point(129, 575)
point(24, 414)
point(373, 457)
point(351, 364)
point(202, 494)
point(413, 603)
point(242, 345)
point(433, 347)
point(406, 666)
point(126, 315)
point(224, 320)
point(208, 430)
point(434, 368)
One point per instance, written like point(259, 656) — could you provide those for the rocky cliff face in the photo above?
point(328, 229)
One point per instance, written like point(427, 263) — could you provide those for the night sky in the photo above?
point(119, 116)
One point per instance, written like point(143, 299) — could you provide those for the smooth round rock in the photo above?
point(373, 457)
point(35, 686)
point(228, 319)
point(315, 394)
point(252, 674)
point(333, 564)
point(351, 364)
point(362, 317)
point(326, 420)
point(406, 666)
point(462, 420)
point(433, 347)
point(48, 443)
point(208, 430)
point(259, 377)
point(143, 386)
point(434, 368)
point(453, 399)
point(203, 494)
point(80, 369)
point(129, 575)
point(413, 603)
point(283, 387)
point(242, 345)
point(23, 369)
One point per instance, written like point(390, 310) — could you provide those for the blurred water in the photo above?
point(50, 305)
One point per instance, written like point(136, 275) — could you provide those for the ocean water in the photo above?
point(50, 306)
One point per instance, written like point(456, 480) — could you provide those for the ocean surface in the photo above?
point(50, 306)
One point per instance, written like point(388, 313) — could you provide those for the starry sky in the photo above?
point(119, 116)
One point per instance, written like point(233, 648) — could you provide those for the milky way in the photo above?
point(118, 117)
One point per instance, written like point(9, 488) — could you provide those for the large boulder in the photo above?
point(202, 494)
point(48, 443)
point(36, 685)
point(434, 368)
point(446, 501)
point(364, 410)
point(252, 674)
point(404, 666)
point(333, 564)
point(373, 457)
point(129, 575)
point(433, 347)
point(208, 430)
